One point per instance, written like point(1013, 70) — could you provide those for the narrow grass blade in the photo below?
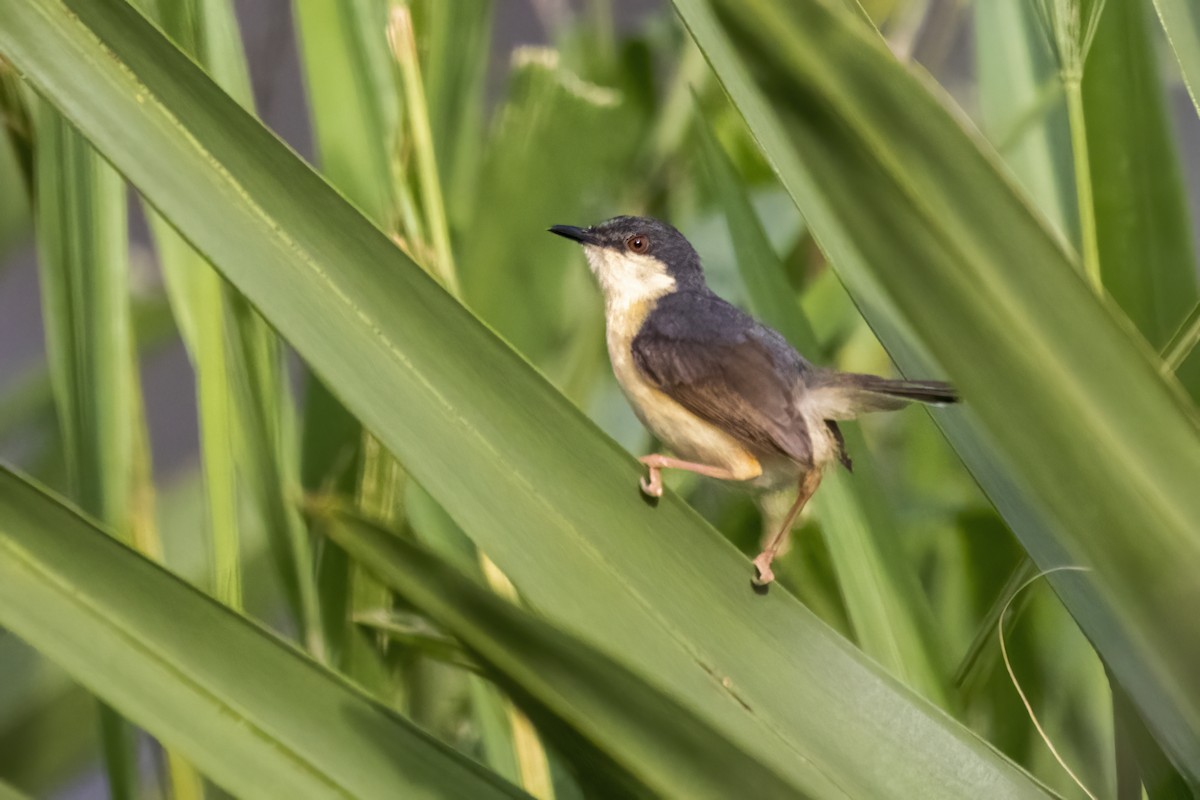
point(353, 98)
point(495, 714)
point(1183, 342)
point(885, 604)
point(1021, 102)
point(551, 500)
point(18, 129)
point(457, 52)
point(196, 292)
point(1077, 433)
point(245, 414)
point(1068, 28)
point(259, 718)
point(1142, 214)
point(29, 401)
point(1181, 21)
point(1151, 768)
point(414, 631)
point(419, 135)
point(983, 647)
point(83, 260)
point(355, 116)
point(566, 684)
point(14, 204)
point(84, 280)
point(519, 737)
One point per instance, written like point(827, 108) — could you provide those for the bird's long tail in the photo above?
point(846, 395)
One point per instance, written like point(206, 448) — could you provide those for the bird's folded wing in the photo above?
point(733, 381)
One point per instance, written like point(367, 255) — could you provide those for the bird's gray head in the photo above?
point(637, 259)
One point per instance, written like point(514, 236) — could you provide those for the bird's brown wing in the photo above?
point(731, 378)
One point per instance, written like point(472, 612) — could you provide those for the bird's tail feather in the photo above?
point(845, 395)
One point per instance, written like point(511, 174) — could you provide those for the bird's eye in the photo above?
point(638, 244)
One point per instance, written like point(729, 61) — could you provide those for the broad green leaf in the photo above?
point(1082, 445)
point(1181, 21)
point(1142, 215)
point(258, 717)
point(42, 743)
point(564, 682)
point(884, 602)
point(553, 502)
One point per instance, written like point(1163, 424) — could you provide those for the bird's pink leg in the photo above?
point(762, 562)
point(654, 488)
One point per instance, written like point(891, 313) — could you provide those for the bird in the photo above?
point(728, 396)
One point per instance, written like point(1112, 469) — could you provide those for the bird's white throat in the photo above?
point(627, 279)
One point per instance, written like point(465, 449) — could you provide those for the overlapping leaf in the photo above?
point(553, 502)
point(1070, 427)
point(255, 715)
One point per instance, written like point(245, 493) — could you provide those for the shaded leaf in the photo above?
point(564, 682)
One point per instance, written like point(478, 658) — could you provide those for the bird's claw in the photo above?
point(762, 566)
point(651, 487)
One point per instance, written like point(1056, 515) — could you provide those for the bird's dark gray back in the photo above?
point(701, 316)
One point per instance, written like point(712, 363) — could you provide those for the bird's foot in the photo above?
point(762, 566)
point(651, 485)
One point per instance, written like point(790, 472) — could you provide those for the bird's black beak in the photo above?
point(581, 235)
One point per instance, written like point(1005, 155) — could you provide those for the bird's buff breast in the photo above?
point(688, 436)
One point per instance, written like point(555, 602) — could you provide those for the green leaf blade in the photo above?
point(244, 409)
point(1145, 236)
point(256, 716)
point(476, 426)
point(648, 734)
point(80, 208)
point(1051, 427)
point(1181, 21)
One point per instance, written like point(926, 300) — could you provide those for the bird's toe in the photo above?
point(762, 571)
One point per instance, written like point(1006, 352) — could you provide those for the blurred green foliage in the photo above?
point(908, 559)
